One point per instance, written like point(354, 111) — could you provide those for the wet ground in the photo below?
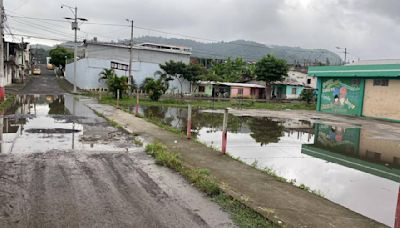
point(62, 166)
point(353, 165)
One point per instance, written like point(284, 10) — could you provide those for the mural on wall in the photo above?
point(337, 139)
point(342, 96)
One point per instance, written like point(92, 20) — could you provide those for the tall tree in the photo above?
point(180, 71)
point(173, 70)
point(270, 69)
point(59, 54)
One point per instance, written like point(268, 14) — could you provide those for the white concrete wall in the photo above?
point(139, 55)
point(302, 78)
point(88, 73)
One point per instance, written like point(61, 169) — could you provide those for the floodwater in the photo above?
point(57, 123)
point(347, 165)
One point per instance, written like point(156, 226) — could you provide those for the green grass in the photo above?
point(6, 104)
point(206, 104)
point(242, 215)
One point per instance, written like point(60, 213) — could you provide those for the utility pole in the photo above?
point(23, 61)
point(2, 76)
point(130, 78)
point(75, 27)
point(345, 53)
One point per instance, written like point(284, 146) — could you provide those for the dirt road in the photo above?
point(62, 166)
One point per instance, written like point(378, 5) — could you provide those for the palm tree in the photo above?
point(114, 83)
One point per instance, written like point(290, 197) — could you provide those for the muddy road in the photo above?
point(62, 166)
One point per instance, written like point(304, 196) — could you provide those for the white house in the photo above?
point(95, 56)
point(302, 78)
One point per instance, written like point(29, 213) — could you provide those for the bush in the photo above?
point(307, 95)
point(155, 88)
point(114, 83)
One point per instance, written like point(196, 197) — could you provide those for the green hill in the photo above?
point(248, 50)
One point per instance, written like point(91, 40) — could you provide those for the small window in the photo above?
point(309, 81)
point(381, 82)
point(294, 90)
point(240, 91)
point(202, 89)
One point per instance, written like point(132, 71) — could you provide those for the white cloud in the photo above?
point(368, 28)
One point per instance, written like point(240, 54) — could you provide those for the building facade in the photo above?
point(96, 56)
point(359, 90)
point(16, 62)
point(228, 90)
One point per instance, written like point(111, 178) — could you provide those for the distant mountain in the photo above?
point(41, 46)
point(248, 50)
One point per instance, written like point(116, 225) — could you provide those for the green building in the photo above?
point(359, 90)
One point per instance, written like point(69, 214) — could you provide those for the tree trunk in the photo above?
point(181, 88)
point(267, 91)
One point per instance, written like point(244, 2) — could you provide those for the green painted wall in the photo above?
point(298, 91)
point(341, 96)
point(208, 90)
point(337, 139)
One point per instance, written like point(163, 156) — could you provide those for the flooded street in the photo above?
point(347, 164)
point(63, 166)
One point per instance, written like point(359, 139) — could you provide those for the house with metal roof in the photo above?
point(370, 90)
point(229, 90)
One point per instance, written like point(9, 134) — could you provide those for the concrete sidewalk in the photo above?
point(279, 202)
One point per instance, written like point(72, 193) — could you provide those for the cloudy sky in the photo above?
point(369, 29)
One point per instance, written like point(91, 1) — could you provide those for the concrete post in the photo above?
point(189, 123)
point(117, 98)
point(137, 103)
point(2, 75)
point(225, 131)
point(397, 215)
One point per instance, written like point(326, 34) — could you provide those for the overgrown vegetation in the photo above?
point(59, 55)
point(155, 88)
point(242, 215)
point(116, 84)
point(209, 104)
point(7, 103)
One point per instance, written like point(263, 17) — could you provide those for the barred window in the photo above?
point(381, 82)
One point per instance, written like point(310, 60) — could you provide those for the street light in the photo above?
point(75, 27)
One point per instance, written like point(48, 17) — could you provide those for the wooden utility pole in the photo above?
point(130, 78)
point(2, 76)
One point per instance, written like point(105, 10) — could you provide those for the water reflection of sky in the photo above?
point(53, 113)
point(282, 145)
point(364, 193)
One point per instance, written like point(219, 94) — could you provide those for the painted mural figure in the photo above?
point(340, 96)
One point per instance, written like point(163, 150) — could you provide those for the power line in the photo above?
point(39, 37)
point(176, 34)
point(43, 28)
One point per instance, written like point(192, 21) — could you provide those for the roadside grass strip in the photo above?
point(242, 215)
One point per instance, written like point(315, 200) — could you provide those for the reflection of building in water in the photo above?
point(380, 150)
point(298, 127)
point(353, 147)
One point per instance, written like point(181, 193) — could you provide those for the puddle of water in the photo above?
point(37, 124)
point(348, 165)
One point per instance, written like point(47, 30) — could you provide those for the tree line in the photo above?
point(268, 69)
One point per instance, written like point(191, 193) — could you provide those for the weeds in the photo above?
point(206, 104)
point(7, 103)
point(137, 141)
point(242, 215)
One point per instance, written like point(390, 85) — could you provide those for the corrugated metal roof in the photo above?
point(231, 84)
point(369, 71)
